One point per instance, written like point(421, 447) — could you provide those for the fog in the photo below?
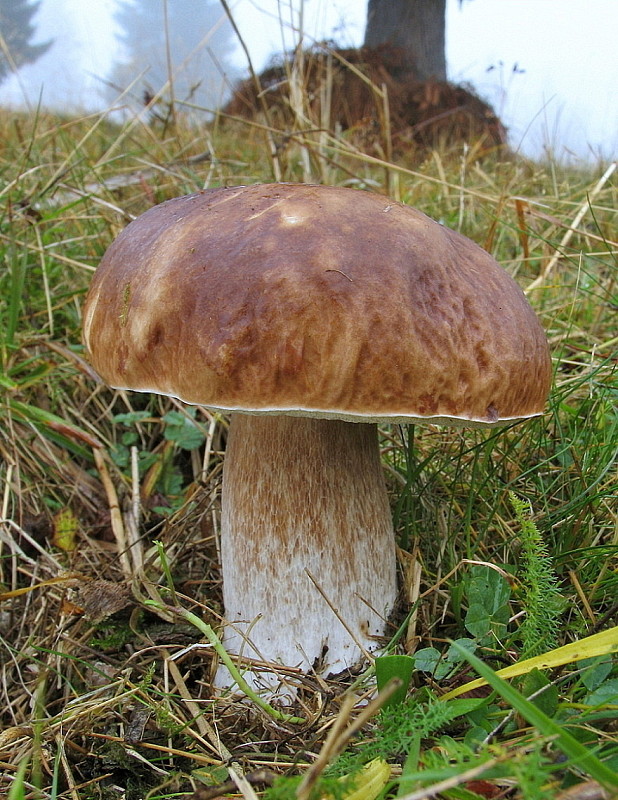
point(549, 67)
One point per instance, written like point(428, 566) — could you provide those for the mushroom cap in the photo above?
point(314, 301)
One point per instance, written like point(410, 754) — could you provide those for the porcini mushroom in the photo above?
point(311, 314)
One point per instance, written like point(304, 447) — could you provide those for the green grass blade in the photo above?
point(579, 754)
point(598, 644)
point(18, 787)
point(225, 658)
point(55, 428)
point(17, 273)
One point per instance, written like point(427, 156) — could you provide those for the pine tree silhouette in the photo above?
point(16, 32)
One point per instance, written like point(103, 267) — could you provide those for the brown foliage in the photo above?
point(347, 88)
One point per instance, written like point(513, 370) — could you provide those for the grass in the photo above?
point(109, 503)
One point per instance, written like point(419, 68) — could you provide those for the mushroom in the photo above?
point(311, 314)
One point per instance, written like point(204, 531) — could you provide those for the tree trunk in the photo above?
point(413, 28)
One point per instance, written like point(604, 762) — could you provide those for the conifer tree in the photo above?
point(16, 33)
point(187, 41)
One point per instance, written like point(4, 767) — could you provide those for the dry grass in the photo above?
point(107, 526)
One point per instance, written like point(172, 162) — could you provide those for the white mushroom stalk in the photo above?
point(307, 544)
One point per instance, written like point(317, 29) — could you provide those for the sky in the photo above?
point(549, 67)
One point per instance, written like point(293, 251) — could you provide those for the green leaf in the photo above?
point(478, 620)
point(453, 654)
point(427, 659)
point(210, 776)
point(547, 700)
point(581, 757)
point(488, 588)
point(595, 670)
point(130, 417)
point(395, 666)
point(605, 694)
point(488, 595)
point(120, 455)
point(475, 736)
point(467, 705)
point(183, 431)
point(128, 438)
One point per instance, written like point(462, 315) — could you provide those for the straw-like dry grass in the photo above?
point(109, 515)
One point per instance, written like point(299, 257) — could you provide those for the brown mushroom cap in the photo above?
point(316, 301)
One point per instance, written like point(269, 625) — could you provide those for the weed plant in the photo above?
point(109, 500)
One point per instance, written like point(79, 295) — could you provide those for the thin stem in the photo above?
point(214, 640)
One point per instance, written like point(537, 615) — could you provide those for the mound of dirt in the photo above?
point(345, 89)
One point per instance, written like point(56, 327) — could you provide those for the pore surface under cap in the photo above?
point(294, 298)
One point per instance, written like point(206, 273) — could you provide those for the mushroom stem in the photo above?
point(304, 503)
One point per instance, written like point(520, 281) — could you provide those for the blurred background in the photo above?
point(549, 68)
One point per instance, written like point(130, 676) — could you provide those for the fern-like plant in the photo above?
point(540, 595)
